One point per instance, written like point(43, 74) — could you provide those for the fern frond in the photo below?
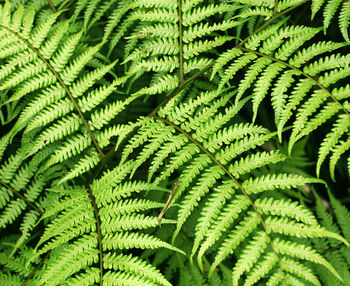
point(269, 182)
point(303, 252)
point(344, 19)
point(112, 196)
point(201, 160)
point(274, 60)
point(300, 270)
point(135, 266)
point(285, 209)
point(340, 127)
point(215, 203)
point(249, 256)
point(287, 227)
point(342, 215)
point(22, 197)
point(89, 240)
point(330, 9)
point(338, 150)
point(14, 268)
point(58, 90)
point(188, 38)
point(233, 239)
point(262, 268)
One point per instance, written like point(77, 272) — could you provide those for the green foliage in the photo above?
point(334, 217)
point(174, 142)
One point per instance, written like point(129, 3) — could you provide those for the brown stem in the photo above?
point(168, 201)
point(98, 228)
point(333, 248)
point(18, 194)
point(275, 7)
point(52, 6)
point(180, 43)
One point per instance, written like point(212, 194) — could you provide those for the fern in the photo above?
point(174, 142)
point(89, 235)
point(334, 252)
point(201, 172)
point(155, 30)
point(268, 57)
point(330, 9)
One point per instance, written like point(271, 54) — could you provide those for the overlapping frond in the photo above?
point(335, 252)
point(45, 72)
point(166, 38)
point(22, 193)
point(275, 63)
point(85, 173)
point(93, 238)
point(330, 9)
point(214, 161)
point(15, 269)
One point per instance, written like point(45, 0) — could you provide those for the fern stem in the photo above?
point(98, 229)
point(319, 85)
point(18, 194)
point(94, 141)
point(217, 162)
point(52, 6)
point(275, 7)
point(168, 201)
point(339, 246)
point(31, 275)
point(181, 63)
